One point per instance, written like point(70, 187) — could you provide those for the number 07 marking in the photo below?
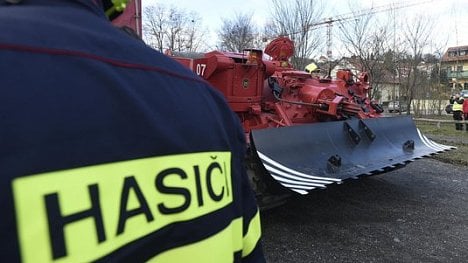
point(200, 69)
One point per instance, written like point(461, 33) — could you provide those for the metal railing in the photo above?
point(457, 74)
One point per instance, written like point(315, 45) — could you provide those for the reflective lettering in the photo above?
point(172, 190)
point(84, 214)
point(128, 185)
point(209, 185)
point(196, 170)
point(57, 221)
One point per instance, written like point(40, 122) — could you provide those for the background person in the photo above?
point(111, 151)
point(465, 110)
point(457, 102)
point(313, 69)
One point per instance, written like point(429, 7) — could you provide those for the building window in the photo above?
point(459, 68)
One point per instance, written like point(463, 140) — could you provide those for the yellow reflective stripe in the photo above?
point(311, 67)
point(253, 235)
point(457, 106)
point(97, 209)
point(218, 248)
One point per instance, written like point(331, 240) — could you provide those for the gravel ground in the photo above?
point(418, 213)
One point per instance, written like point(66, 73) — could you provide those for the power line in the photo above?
point(328, 22)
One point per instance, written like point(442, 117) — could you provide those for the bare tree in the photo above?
point(174, 25)
point(368, 41)
point(194, 34)
point(432, 95)
point(173, 28)
point(154, 26)
point(238, 33)
point(416, 36)
point(296, 19)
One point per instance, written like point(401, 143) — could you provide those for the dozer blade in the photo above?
point(309, 156)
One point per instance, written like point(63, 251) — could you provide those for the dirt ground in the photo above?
point(415, 214)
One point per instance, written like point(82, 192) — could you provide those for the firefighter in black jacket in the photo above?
point(457, 102)
point(111, 151)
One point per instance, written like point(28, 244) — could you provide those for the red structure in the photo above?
point(306, 132)
point(271, 93)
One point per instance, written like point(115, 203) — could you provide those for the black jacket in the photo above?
point(112, 151)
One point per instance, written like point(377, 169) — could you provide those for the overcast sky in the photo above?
point(451, 15)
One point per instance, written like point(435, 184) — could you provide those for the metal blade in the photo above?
point(309, 156)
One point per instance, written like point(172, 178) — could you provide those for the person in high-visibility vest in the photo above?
point(313, 69)
point(457, 102)
point(111, 151)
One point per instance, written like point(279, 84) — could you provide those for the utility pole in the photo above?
point(329, 40)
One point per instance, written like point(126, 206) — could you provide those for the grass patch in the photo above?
point(443, 129)
point(445, 133)
point(458, 156)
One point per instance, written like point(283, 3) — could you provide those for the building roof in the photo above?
point(453, 54)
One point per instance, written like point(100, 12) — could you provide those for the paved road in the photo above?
point(415, 214)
